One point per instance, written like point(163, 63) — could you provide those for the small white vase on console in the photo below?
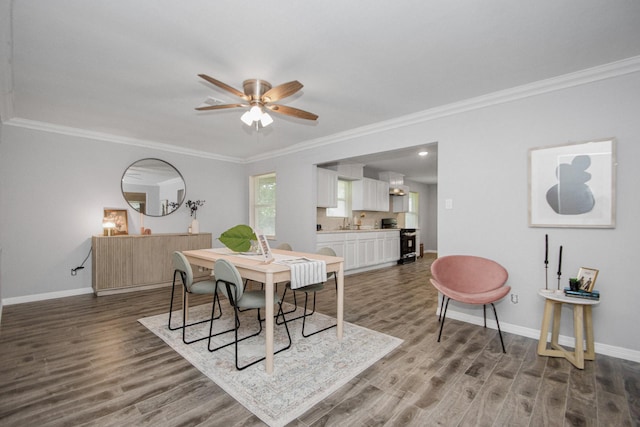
point(195, 226)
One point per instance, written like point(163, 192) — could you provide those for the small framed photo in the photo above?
point(263, 243)
point(115, 222)
point(587, 278)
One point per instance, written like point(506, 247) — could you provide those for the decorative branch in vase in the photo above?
point(193, 207)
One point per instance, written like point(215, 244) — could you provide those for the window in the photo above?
point(411, 218)
point(344, 200)
point(263, 204)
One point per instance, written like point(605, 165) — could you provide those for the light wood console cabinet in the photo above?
point(127, 263)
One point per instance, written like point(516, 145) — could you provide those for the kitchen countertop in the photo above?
point(358, 231)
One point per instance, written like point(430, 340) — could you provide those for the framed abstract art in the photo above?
point(573, 185)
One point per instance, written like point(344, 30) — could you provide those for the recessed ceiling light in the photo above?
point(423, 153)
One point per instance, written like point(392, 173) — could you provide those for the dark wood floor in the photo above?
point(87, 361)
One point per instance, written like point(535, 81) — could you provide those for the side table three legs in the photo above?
point(582, 327)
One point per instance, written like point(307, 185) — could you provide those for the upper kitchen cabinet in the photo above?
point(350, 171)
point(400, 203)
point(370, 195)
point(327, 188)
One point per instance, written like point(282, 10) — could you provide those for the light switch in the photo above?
point(448, 204)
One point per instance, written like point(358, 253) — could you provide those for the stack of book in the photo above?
point(595, 295)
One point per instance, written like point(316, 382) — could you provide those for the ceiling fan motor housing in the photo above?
point(255, 88)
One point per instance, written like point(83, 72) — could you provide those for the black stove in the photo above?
point(407, 245)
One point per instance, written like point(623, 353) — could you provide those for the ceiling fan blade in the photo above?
point(224, 86)
point(281, 91)
point(290, 111)
point(219, 107)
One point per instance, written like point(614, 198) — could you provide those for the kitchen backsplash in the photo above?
point(369, 220)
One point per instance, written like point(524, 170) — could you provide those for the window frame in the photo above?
point(346, 200)
point(414, 202)
point(254, 207)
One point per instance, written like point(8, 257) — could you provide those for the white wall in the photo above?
point(483, 155)
point(55, 187)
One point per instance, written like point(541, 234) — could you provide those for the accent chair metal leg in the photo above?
point(484, 312)
point(443, 316)
point(441, 308)
point(499, 331)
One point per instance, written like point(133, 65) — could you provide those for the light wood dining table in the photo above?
point(253, 268)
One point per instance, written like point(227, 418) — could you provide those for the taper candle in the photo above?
point(560, 262)
point(546, 249)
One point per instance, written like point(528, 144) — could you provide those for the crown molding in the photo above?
point(590, 75)
point(106, 137)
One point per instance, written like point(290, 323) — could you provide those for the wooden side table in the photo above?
point(582, 325)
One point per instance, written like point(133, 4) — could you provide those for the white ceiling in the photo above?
point(129, 68)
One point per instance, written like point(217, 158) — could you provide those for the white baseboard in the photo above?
point(605, 349)
point(46, 296)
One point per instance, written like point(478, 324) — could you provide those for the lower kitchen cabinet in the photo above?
point(363, 249)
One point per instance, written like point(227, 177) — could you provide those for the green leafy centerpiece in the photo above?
point(238, 238)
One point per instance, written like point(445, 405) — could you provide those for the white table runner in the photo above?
point(304, 271)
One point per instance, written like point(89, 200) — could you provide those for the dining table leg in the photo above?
point(269, 292)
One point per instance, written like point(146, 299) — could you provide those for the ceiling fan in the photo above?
point(260, 95)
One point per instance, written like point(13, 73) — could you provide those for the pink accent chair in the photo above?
point(471, 280)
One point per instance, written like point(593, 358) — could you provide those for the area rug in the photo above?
point(304, 375)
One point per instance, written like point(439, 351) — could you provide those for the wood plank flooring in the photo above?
point(86, 361)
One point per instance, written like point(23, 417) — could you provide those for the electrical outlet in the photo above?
point(74, 271)
point(514, 298)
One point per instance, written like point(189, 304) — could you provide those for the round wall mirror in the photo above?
point(153, 187)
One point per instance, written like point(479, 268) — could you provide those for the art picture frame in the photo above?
point(265, 249)
point(119, 218)
point(573, 185)
point(587, 278)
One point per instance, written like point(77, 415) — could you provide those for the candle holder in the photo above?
point(546, 265)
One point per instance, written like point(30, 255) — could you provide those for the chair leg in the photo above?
point(443, 316)
point(305, 315)
point(284, 320)
point(484, 312)
point(185, 325)
point(213, 317)
point(237, 326)
point(295, 302)
point(296, 307)
point(173, 289)
point(441, 308)
point(499, 331)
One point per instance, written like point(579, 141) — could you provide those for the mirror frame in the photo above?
point(169, 211)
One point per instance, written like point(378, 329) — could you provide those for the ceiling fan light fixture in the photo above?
point(246, 118)
point(256, 113)
point(265, 120)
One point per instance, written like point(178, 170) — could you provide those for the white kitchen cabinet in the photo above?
point(391, 246)
point(363, 249)
point(367, 254)
point(327, 196)
point(370, 195)
point(382, 196)
point(350, 171)
point(350, 251)
point(400, 203)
